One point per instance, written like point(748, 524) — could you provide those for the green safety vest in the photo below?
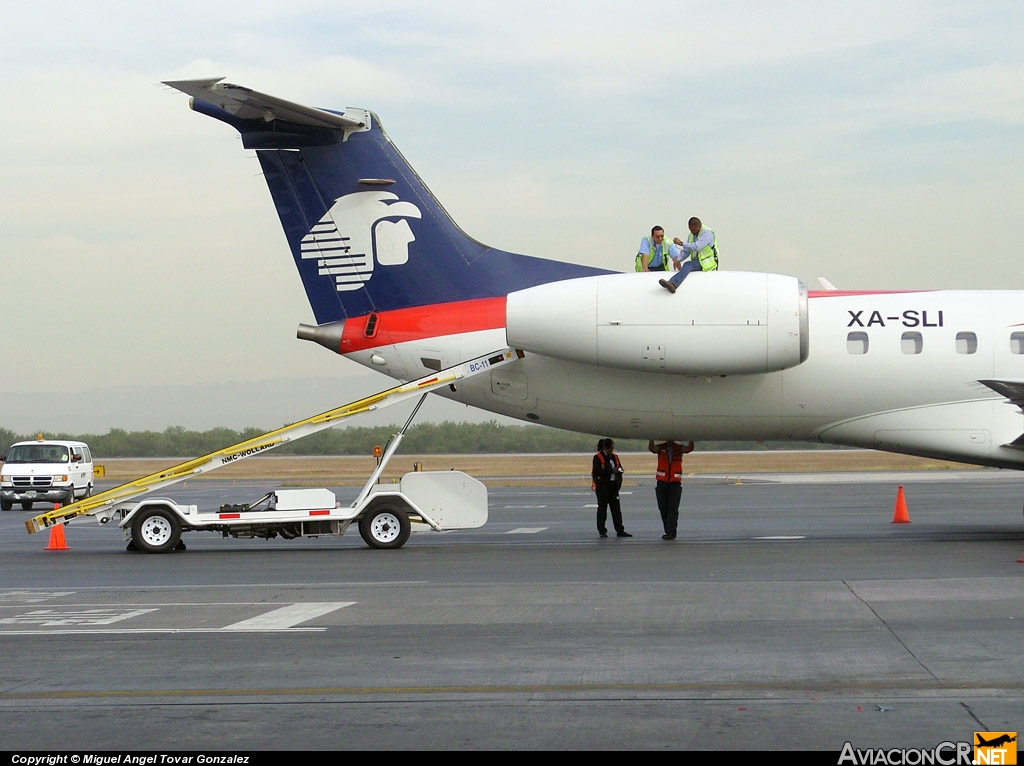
point(651, 250)
point(707, 257)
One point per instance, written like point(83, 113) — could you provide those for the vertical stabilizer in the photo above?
point(365, 232)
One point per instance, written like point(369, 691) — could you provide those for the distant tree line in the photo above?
point(425, 438)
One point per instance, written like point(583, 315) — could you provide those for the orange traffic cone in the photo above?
point(57, 542)
point(900, 513)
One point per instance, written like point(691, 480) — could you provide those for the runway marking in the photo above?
point(143, 631)
point(33, 597)
point(525, 530)
point(519, 507)
point(288, 616)
point(105, 616)
point(782, 537)
point(78, 621)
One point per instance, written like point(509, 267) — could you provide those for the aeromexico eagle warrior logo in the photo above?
point(359, 229)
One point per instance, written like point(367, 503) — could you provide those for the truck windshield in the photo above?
point(37, 453)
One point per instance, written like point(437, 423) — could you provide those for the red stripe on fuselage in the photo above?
point(420, 322)
point(439, 319)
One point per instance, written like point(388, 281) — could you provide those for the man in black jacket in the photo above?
point(607, 478)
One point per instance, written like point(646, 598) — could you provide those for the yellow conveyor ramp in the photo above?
point(102, 504)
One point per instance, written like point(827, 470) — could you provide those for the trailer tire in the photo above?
point(156, 530)
point(385, 526)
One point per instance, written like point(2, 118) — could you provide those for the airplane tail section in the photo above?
point(366, 234)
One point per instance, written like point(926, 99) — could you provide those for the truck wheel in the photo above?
point(6, 505)
point(156, 530)
point(71, 496)
point(386, 526)
point(26, 505)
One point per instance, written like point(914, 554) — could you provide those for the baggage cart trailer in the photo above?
point(386, 513)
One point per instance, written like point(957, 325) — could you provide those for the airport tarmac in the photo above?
point(791, 613)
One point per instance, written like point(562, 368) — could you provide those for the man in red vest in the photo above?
point(669, 475)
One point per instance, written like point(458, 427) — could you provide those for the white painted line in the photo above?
point(782, 537)
point(141, 631)
point(525, 530)
point(288, 616)
point(33, 597)
point(66, 616)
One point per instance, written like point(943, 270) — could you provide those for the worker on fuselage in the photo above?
point(698, 253)
point(654, 252)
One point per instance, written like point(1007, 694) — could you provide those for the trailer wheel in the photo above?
point(386, 526)
point(156, 530)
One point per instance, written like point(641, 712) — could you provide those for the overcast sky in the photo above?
point(878, 144)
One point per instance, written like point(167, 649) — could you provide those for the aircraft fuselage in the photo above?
point(895, 371)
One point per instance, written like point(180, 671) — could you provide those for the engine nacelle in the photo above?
point(717, 323)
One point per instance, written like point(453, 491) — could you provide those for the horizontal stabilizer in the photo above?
point(247, 104)
point(366, 234)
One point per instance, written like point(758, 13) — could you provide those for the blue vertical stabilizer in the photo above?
point(366, 233)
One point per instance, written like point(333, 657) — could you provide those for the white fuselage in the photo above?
point(892, 371)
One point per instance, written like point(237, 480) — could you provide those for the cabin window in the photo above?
point(1017, 343)
point(857, 342)
point(966, 343)
point(912, 343)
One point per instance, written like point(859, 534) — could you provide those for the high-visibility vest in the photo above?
point(707, 257)
point(593, 476)
point(616, 470)
point(673, 472)
point(651, 250)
